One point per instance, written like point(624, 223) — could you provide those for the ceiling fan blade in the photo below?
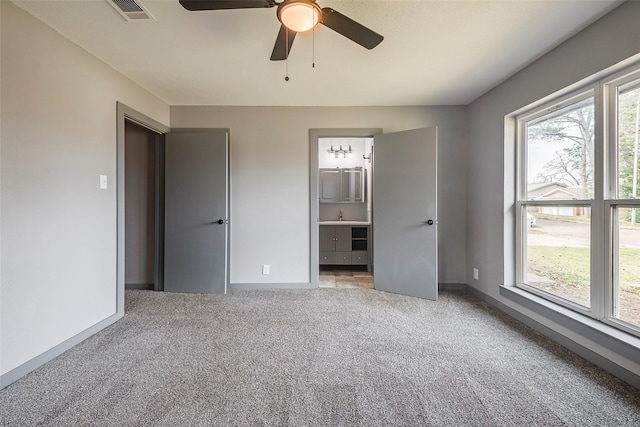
point(282, 48)
point(195, 5)
point(350, 28)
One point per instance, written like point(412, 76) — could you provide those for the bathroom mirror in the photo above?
point(342, 185)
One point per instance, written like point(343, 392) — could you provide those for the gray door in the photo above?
point(196, 211)
point(405, 257)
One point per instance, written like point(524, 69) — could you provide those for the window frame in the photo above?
point(612, 261)
point(610, 87)
point(522, 202)
point(604, 247)
point(611, 198)
point(521, 258)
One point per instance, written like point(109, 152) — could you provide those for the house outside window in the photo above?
point(578, 200)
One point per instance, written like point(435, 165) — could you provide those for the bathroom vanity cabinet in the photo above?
point(344, 245)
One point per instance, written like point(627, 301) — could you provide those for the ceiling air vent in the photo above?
point(131, 10)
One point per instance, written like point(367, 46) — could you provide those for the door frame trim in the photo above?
point(124, 113)
point(314, 208)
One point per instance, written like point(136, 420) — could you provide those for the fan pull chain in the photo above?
point(286, 58)
point(286, 77)
point(313, 49)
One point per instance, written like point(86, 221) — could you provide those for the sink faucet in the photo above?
point(340, 215)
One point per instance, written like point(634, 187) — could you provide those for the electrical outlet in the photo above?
point(475, 273)
point(265, 269)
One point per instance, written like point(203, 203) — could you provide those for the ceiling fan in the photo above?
point(295, 16)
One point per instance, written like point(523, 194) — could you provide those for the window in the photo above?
point(625, 303)
point(578, 201)
point(622, 205)
point(557, 188)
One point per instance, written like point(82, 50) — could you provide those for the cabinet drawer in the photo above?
point(327, 258)
point(359, 258)
point(343, 258)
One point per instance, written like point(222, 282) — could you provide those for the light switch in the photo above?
point(103, 182)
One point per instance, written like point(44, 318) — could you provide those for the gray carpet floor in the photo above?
point(331, 357)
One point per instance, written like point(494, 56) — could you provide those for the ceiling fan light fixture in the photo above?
point(299, 15)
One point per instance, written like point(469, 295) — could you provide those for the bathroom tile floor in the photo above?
point(345, 279)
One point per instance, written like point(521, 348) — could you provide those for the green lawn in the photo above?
point(571, 266)
point(630, 270)
point(560, 264)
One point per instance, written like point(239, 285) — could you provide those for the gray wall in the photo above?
point(140, 179)
point(270, 180)
point(58, 134)
point(491, 190)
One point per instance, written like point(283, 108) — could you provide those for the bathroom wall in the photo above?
point(360, 147)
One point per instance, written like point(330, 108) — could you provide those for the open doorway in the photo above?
point(126, 114)
point(152, 215)
point(143, 207)
point(341, 170)
point(400, 229)
point(344, 212)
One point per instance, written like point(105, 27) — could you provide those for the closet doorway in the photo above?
point(143, 154)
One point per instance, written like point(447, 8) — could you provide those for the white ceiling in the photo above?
point(433, 53)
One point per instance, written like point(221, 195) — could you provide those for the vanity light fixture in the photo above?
point(340, 153)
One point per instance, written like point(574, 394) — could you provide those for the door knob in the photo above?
point(220, 221)
point(429, 222)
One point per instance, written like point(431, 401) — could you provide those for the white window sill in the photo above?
point(623, 343)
